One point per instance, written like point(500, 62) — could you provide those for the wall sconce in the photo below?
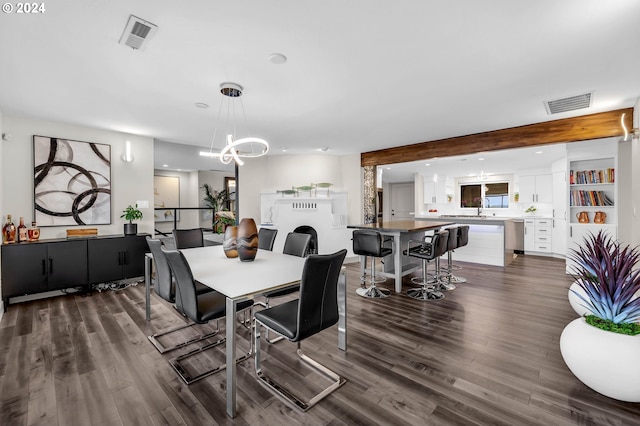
point(634, 132)
point(127, 157)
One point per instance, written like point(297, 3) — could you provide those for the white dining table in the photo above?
point(238, 281)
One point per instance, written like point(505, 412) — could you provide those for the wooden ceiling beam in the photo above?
point(585, 127)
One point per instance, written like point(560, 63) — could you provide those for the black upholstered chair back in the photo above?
point(188, 238)
point(164, 286)
point(452, 239)
point(318, 302)
point(266, 238)
point(296, 244)
point(442, 242)
point(369, 243)
point(463, 235)
point(432, 249)
point(186, 297)
point(313, 243)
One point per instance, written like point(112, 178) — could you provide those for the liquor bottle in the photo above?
point(22, 231)
point(9, 231)
point(33, 232)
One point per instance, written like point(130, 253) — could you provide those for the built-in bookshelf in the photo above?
point(592, 189)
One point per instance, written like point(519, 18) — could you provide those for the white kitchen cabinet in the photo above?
point(577, 233)
point(559, 236)
point(536, 188)
point(538, 235)
point(560, 195)
point(434, 192)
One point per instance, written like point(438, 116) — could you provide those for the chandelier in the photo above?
point(235, 147)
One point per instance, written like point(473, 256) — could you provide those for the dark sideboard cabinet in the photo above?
point(112, 259)
point(45, 265)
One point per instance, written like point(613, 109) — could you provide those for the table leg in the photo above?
point(147, 285)
point(397, 262)
point(231, 357)
point(342, 311)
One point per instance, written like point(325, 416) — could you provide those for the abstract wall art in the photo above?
point(72, 182)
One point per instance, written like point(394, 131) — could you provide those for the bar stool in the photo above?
point(428, 251)
point(369, 243)
point(445, 274)
point(463, 240)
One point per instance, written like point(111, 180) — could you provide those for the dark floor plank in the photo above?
point(488, 354)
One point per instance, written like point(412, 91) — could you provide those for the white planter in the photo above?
point(606, 362)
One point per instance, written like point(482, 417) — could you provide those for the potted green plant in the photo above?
point(597, 347)
point(218, 202)
point(131, 213)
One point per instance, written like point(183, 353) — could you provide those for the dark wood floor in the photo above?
point(488, 354)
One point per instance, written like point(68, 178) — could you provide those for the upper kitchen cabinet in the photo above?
point(536, 188)
point(434, 192)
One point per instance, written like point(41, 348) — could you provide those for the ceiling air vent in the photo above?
point(571, 103)
point(137, 32)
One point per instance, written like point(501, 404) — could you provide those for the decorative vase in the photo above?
point(229, 243)
point(130, 228)
point(247, 240)
point(603, 360)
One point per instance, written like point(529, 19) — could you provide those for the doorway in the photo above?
point(402, 197)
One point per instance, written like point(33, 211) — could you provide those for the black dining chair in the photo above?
point(296, 245)
point(200, 308)
point(164, 286)
point(313, 243)
point(188, 238)
point(314, 311)
point(266, 238)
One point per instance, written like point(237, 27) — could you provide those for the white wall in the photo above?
point(130, 182)
point(269, 174)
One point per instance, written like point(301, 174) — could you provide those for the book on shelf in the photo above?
point(591, 177)
point(578, 198)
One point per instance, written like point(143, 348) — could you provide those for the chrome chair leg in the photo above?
point(154, 339)
point(427, 292)
point(286, 394)
point(372, 291)
point(189, 378)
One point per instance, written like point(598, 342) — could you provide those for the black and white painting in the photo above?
point(72, 182)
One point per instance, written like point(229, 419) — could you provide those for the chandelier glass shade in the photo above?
point(235, 148)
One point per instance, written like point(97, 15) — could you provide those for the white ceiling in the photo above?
point(506, 161)
point(361, 75)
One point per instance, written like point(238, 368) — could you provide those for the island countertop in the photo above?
point(405, 225)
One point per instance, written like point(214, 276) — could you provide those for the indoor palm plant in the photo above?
point(218, 202)
point(131, 213)
point(599, 347)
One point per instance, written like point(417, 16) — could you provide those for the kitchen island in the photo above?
point(491, 239)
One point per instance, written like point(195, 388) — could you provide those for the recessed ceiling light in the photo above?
point(538, 152)
point(388, 168)
point(277, 58)
point(201, 105)
point(165, 165)
point(427, 164)
point(481, 159)
point(283, 149)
